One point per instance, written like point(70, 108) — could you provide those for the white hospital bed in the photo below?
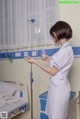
point(12, 109)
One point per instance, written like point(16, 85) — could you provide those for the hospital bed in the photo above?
point(9, 108)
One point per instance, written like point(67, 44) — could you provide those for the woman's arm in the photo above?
point(49, 70)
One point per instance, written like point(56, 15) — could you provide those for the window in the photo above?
point(16, 28)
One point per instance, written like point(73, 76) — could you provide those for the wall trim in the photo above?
point(34, 53)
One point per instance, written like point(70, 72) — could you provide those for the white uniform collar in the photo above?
point(66, 44)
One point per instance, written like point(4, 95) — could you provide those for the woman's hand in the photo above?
point(31, 60)
point(45, 57)
point(51, 71)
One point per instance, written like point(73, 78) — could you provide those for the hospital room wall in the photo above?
point(19, 69)
point(70, 13)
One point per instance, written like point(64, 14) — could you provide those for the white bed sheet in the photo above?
point(10, 108)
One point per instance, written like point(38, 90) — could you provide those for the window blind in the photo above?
point(16, 28)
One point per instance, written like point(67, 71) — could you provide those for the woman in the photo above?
point(60, 64)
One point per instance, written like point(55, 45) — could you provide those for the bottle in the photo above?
point(44, 55)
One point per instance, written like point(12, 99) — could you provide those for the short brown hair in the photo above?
point(62, 30)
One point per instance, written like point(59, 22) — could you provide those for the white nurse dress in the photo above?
point(59, 87)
